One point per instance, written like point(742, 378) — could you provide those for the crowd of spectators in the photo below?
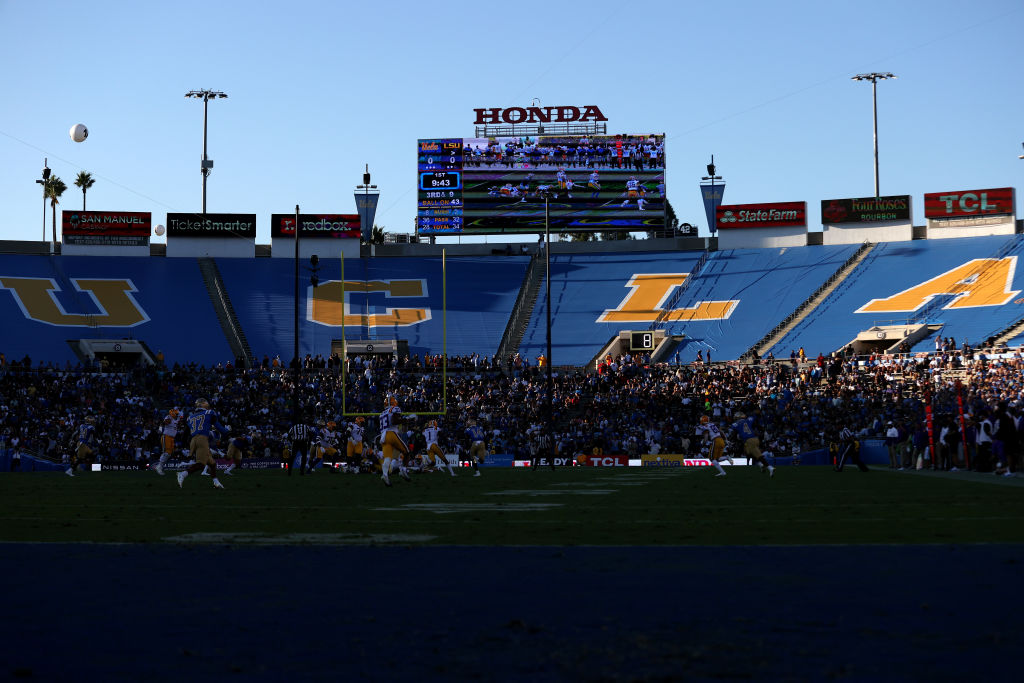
point(628, 406)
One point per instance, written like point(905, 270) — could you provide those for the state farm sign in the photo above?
point(563, 114)
point(969, 203)
point(777, 215)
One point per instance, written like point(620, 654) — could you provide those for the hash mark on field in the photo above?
point(298, 538)
point(534, 493)
point(449, 508)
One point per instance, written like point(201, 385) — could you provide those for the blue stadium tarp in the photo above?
point(749, 292)
point(51, 299)
point(895, 267)
point(481, 293)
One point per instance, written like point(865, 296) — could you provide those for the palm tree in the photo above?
point(55, 187)
point(84, 181)
point(377, 235)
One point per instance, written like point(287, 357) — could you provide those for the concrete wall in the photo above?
point(198, 247)
point(947, 228)
point(103, 250)
point(757, 238)
point(857, 233)
point(284, 247)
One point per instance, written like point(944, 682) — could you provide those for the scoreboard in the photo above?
point(439, 200)
point(509, 185)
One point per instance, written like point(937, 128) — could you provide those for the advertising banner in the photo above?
point(672, 460)
point(331, 225)
point(211, 225)
point(111, 228)
point(603, 460)
point(866, 209)
point(366, 205)
point(969, 203)
point(712, 195)
point(775, 215)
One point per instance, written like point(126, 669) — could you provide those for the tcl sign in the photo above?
point(777, 215)
point(604, 460)
point(969, 203)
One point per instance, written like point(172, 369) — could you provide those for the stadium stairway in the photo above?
point(523, 309)
point(233, 332)
point(809, 304)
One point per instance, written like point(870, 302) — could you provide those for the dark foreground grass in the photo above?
point(505, 507)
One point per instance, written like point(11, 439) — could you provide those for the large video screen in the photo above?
point(498, 185)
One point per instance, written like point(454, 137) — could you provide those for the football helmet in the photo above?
point(740, 415)
point(393, 401)
point(360, 420)
point(704, 419)
point(332, 424)
point(202, 403)
point(432, 423)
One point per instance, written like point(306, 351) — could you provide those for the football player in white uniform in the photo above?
point(434, 455)
point(716, 442)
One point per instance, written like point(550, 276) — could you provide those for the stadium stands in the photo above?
point(736, 298)
point(968, 285)
point(53, 299)
point(405, 302)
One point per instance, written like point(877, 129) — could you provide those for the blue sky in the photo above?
point(318, 89)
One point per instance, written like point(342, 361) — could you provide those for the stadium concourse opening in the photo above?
point(114, 353)
point(370, 347)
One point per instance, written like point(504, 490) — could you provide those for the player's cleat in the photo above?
point(159, 469)
point(387, 482)
point(181, 479)
point(729, 459)
point(405, 475)
point(217, 484)
point(771, 471)
point(205, 472)
point(475, 475)
point(69, 472)
point(720, 474)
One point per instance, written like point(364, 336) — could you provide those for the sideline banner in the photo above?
point(672, 460)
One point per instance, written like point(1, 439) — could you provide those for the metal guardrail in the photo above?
point(515, 319)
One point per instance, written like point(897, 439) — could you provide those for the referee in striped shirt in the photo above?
point(541, 447)
point(300, 435)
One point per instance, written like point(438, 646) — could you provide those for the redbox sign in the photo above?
point(777, 215)
point(316, 225)
point(969, 203)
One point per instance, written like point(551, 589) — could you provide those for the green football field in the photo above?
point(513, 507)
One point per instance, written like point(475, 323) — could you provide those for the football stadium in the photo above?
point(558, 432)
point(787, 425)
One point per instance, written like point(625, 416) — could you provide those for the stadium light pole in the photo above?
point(874, 77)
point(296, 413)
point(206, 164)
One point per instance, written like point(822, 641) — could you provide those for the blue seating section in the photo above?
point(481, 294)
point(768, 285)
point(893, 267)
point(583, 286)
point(169, 292)
point(765, 284)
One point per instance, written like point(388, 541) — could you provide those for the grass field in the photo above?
point(515, 507)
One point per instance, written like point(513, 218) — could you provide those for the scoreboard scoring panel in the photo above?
point(439, 205)
point(499, 185)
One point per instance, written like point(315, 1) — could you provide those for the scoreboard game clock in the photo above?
point(439, 199)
